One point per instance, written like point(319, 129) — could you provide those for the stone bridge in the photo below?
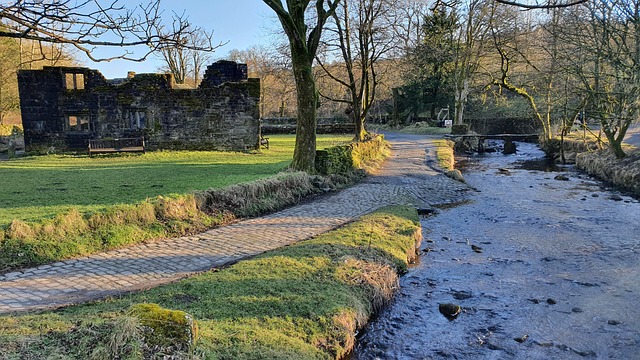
point(476, 142)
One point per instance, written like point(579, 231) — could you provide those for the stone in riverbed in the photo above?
point(522, 338)
point(455, 175)
point(450, 311)
point(509, 147)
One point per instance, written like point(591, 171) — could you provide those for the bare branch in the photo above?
point(88, 24)
point(549, 5)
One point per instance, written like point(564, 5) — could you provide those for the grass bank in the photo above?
point(305, 301)
point(598, 160)
point(623, 173)
point(445, 154)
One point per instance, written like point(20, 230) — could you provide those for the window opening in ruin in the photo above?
point(78, 123)
point(74, 81)
point(137, 119)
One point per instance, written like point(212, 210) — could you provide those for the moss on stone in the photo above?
point(166, 328)
point(347, 158)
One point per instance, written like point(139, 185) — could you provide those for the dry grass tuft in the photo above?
point(179, 208)
point(380, 280)
point(603, 164)
point(19, 229)
point(257, 197)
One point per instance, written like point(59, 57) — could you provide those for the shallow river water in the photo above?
point(554, 272)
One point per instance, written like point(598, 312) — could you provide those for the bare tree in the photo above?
point(187, 58)
point(359, 34)
point(277, 85)
point(472, 39)
point(547, 4)
point(606, 60)
point(406, 20)
point(304, 40)
point(87, 24)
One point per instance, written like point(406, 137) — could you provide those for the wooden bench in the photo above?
point(264, 141)
point(107, 146)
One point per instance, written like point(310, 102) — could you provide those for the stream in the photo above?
point(543, 262)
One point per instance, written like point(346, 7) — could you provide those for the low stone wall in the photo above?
point(347, 158)
point(272, 129)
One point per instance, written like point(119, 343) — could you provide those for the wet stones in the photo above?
point(450, 311)
point(549, 301)
point(509, 147)
point(561, 177)
point(426, 211)
point(615, 198)
point(522, 338)
point(455, 175)
point(461, 295)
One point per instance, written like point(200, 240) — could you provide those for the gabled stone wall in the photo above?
point(63, 107)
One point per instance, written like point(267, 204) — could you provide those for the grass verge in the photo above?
point(72, 233)
point(304, 301)
point(445, 154)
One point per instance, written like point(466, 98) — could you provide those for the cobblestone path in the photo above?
point(405, 179)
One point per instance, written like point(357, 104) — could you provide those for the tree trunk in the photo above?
point(304, 154)
point(615, 142)
point(462, 92)
point(616, 146)
point(358, 121)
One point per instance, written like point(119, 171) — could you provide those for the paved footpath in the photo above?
point(405, 179)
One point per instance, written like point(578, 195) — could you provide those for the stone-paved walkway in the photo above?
point(405, 179)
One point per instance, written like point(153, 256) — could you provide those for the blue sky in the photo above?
point(243, 23)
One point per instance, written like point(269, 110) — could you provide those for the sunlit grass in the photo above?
point(445, 154)
point(39, 187)
point(304, 301)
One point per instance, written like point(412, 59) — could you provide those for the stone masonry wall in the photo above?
point(61, 115)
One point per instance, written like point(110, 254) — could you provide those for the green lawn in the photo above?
point(305, 301)
point(39, 187)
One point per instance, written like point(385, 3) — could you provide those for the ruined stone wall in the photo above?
point(222, 114)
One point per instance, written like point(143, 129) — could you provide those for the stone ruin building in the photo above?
point(64, 107)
